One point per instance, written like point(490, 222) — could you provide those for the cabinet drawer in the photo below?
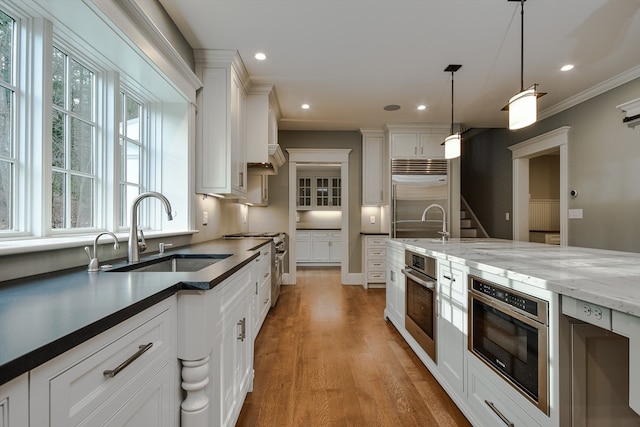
point(376, 241)
point(376, 264)
point(376, 276)
point(452, 283)
point(326, 234)
point(493, 406)
point(376, 253)
point(303, 235)
point(76, 383)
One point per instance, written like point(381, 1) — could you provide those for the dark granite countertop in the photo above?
point(43, 316)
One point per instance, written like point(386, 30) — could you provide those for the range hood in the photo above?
point(276, 159)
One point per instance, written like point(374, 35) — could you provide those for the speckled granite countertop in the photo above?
point(43, 316)
point(607, 278)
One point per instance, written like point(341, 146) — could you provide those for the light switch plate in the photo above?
point(372, 219)
point(575, 213)
point(205, 218)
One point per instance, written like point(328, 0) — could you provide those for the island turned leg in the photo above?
point(195, 406)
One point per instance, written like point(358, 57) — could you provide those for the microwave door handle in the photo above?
point(428, 285)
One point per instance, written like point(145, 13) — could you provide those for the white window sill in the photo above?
point(41, 244)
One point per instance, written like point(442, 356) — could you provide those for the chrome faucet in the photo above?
point(94, 264)
point(445, 234)
point(134, 247)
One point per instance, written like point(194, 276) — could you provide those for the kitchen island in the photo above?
point(567, 280)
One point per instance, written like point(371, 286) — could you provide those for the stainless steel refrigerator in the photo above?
point(415, 185)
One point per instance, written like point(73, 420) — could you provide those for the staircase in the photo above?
point(469, 226)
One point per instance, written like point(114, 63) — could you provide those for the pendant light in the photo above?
point(452, 142)
point(523, 110)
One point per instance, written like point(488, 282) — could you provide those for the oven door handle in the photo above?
point(418, 280)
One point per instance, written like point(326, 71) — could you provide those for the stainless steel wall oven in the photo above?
point(420, 291)
point(508, 331)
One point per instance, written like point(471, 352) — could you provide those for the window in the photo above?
point(7, 123)
point(85, 131)
point(131, 130)
point(73, 140)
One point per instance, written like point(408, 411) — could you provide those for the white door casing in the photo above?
point(313, 155)
point(521, 153)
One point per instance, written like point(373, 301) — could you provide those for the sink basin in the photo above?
point(174, 263)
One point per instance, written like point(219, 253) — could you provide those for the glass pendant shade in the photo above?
point(452, 146)
point(523, 109)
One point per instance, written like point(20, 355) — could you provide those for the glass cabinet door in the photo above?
point(322, 191)
point(336, 192)
point(304, 192)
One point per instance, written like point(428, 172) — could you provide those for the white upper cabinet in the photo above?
point(417, 142)
point(221, 133)
point(264, 155)
point(374, 168)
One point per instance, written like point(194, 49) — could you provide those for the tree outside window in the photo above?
point(7, 122)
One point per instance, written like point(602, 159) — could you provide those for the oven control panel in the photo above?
point(508, 296)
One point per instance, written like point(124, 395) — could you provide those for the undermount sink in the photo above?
point(173, 263)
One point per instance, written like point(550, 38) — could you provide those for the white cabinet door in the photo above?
point(74, 389)
point(221, 165)
point(335, 247)
point(303, 246)
point(373, 168)
point(405, 145)
point(452, 323)
point(233, 373)
point(258, 191)
point(395, 286)
point(14, 402)
point(261, 276)
point(320, 250)
point(430, 145)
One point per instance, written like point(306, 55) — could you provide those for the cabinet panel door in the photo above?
point(303, 248)
point(14, 402)
point(320, 251)
point(430, 147)
point(404, 144)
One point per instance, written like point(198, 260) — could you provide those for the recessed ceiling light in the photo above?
point(305, 106)
point(567, 67)
point(422, 107)
point(392, 107)
point(260, 56)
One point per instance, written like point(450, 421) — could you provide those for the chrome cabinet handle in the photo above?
point(428, 285)
point(499, 414)
point(448, 278)
point(110, 373)
point(243, 331)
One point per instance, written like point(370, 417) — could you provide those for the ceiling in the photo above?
point(349, 58)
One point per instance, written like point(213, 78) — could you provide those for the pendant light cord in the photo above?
point(452, 102)
point(521, 45)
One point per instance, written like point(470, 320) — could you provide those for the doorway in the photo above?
point(299, 156)
point(555, 141)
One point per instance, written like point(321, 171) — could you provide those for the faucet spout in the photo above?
point(444, 232)
point(94, 264)
point(133, 248)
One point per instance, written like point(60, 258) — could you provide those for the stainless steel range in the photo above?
point(278, 252)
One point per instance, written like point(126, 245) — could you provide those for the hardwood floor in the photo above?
point(325, 356)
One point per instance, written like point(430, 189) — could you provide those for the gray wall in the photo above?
point(276, 215)
point(604, 165)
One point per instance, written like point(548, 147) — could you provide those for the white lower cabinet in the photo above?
point(303, 246)
point(491, 405)
point(319, 247)
point(452, 324)
point(232, 375)
point(373, 261)
point(14, 402)
point(395, 286)
point(126, 376)
point(262, 288)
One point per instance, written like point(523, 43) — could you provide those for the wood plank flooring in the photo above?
point(325, 356)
